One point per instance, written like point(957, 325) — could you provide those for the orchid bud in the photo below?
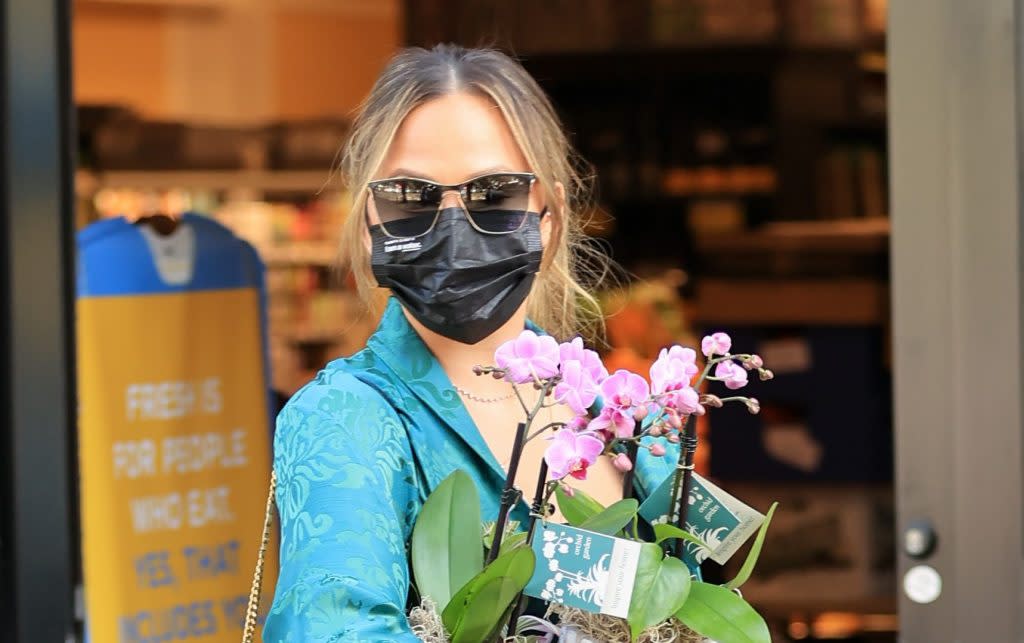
point(640, 412)
point(673, 419)
point(622, 463)
point(755, 361)
point(765, 374)
point(655, 431)
point(496, 374)
point(657, 450)
point(753, 405)
point(673, 438)
point(711, 400)
point(478, 370)
point(567, 490)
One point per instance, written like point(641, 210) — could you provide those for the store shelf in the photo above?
point(842, 302)
point(178, 5)
point(300, 254)
point(312, 181)
point(313, 337)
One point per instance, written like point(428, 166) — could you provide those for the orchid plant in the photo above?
point(614, 415)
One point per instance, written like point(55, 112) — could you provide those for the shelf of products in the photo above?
point(292, 220)
point(278, 181)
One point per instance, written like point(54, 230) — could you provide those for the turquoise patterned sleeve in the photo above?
point(347, 499)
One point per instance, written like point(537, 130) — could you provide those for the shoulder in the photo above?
point(340, 407)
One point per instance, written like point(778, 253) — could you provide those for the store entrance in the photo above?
point(835, 183)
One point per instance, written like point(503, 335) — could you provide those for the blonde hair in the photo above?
point(558, 302)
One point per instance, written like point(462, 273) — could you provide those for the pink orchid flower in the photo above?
point(716, 344)
point(577, 390)
point(731, 374)
point(570, 453)
point(673, 370)
point(685, 400)
point(613, 423)
point(527, 356)
point(574, 351)
point(624, 390)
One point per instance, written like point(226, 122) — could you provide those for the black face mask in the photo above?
point(459, 282)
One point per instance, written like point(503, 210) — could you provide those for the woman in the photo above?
point(464, 195)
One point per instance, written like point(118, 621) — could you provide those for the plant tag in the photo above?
point(717, 518)
point(583, 569)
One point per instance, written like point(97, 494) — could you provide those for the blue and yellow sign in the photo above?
point(174, 430)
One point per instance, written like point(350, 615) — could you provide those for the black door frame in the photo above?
point(38, 541)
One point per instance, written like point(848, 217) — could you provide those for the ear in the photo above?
point(552, 223)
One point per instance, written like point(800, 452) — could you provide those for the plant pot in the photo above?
point(585, 627)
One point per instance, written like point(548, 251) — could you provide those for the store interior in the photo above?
point(739, 148)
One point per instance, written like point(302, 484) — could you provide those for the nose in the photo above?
point(450, 199)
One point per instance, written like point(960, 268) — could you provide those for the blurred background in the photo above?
point(740, 151)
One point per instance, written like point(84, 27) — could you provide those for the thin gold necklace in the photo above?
point(483, 400)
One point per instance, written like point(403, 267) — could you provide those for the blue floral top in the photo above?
point(356, 452)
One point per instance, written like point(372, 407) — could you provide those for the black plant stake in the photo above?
point(539, 508)
point(509, 495)
point(631, 452)
point(684, 475)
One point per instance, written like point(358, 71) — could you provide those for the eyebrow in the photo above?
point(401, 171)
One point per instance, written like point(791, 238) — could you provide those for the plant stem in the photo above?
point(704, 373)
point(509, 494)
point(522, 402)
point(544, 428)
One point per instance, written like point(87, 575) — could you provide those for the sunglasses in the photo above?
point(494, 203)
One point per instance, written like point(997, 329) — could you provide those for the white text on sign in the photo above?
point(173, 400)
point(195, 508)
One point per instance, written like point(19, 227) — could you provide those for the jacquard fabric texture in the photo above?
point(356, 452)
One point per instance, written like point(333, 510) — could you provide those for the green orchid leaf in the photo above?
point(660, 590)
point(515, 564)
point(512, 541)
point(486, 607)
point(613, 519)
point(665, 532)
point(720, 614)
point(579, 507)
point(755, 551)
point(446, 551)
point(511, 527)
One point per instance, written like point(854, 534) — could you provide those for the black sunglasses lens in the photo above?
point(406, 207)
point(498, 203)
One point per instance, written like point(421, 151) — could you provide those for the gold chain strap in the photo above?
point(251, 612)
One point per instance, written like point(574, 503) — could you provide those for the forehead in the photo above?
point(453, 138)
